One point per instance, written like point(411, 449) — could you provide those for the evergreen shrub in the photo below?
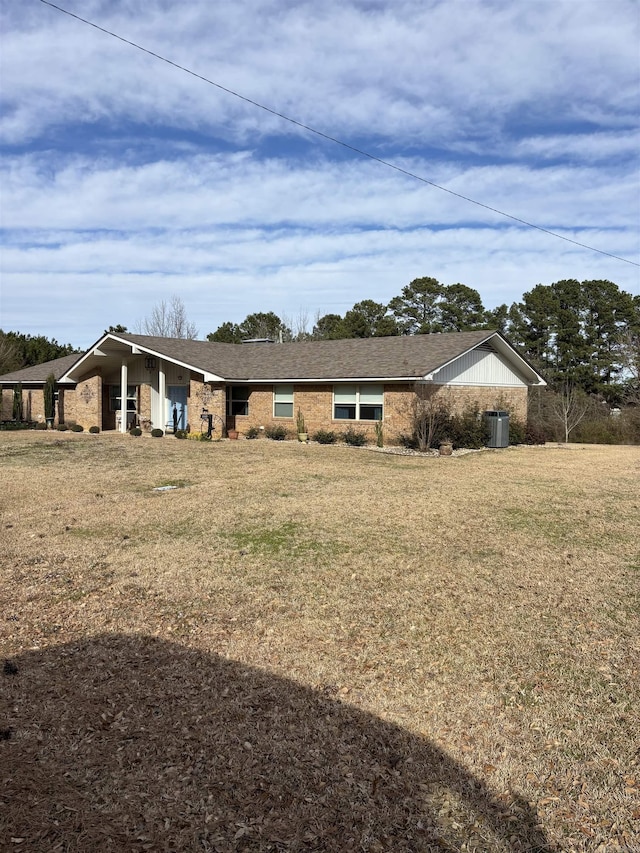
point(325, 436)
point(276, 432)
point(354, 437)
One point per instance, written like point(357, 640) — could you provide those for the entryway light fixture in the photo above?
point(150, 363)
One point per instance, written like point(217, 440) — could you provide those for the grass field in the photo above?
point(317, 648)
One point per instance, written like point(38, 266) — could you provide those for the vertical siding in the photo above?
point(479, 367)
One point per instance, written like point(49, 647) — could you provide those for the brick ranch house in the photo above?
point(126, 379)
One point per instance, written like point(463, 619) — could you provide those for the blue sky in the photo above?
point(125, 181)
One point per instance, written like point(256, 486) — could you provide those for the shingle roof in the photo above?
point(409, 357)
point(385, 358)
point(39, 372)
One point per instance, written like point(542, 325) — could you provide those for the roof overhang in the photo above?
point(112, 346)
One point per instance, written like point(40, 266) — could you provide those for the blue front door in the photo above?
point(177, 405)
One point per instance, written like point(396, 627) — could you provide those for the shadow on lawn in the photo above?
point(131, 743)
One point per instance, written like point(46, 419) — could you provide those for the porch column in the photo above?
point(162, 393)
point(124, 375)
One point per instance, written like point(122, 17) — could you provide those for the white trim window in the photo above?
point(114, 398)
point(358, 402)
point(238, 400)
point(283, 401)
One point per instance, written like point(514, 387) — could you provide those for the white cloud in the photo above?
point(435, 70)
point(125, 180)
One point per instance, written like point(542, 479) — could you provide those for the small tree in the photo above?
point(430, 413)
point(570, 405)
point(17, 402)
point(50, 397)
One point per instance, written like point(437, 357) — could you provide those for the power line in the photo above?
point(333, 139)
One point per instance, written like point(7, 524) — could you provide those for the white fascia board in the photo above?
point(93, 350)
point(322, 380)
point(208, 377)
point(136, 349)
point(505, 349)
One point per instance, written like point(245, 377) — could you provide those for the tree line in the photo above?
point(18, 350)
point(583, 334)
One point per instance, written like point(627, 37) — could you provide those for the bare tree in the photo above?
point(8, 354)
point(429, 413)
point(299, 325)
point(569, 406)
point(168, 320)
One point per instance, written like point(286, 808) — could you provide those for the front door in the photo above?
point(177, 407)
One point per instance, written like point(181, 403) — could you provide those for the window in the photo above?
point(114, 398)
point(238, 400)
point(358, 402)
point(283, 401)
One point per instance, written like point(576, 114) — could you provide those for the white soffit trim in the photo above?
point(136, 349)
point(322, 380)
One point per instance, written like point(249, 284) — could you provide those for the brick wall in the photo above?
point(32, 404)
point(316, 404)
point(205, 395)
point(6, 409)
point(89, 400)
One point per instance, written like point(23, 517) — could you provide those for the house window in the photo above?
point(115, 399)
point(238, 400)
point(283, 401)
point(358, 402)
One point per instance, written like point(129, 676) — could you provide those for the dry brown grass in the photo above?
point(317, 648)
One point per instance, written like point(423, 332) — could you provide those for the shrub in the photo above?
point(77, 428)
point(62, 427)
point(41, 425)
point(430, 415)
point(157, 433)
point(599, 431)
point(517, 432)
point(276, 432)
point(469, 429)
point(535, 434)
point(180, 433)
point(325, 436)
point(379, 434)
point(135, 431)
point(354, 437)
point(252, 432)
point(94, 430)
point(630, 424)
point(408, 441)
point(204, 437)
